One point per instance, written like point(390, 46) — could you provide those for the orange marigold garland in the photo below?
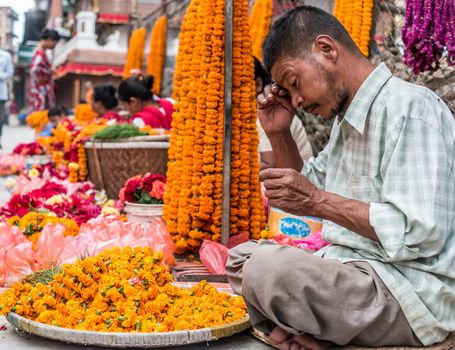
point(356, 17)
point(260, 21)
point(182, 80)
point(157, 55)
point(194, 192)
point(135, 55)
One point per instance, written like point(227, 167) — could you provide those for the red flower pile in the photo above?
point(147, 189)
point(29, 149)
point(79, 206)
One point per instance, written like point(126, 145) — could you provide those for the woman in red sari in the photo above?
point(105, 103)
point(136, 95)
point(41, 89)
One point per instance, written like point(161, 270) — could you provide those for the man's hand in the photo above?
point(274, 110)
point(290, 191)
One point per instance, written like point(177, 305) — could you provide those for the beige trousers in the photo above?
point(302, 293)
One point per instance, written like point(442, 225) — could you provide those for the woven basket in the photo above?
point(111, 163)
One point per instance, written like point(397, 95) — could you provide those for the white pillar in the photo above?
point(86, 24)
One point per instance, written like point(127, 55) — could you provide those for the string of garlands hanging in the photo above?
point(260, 21)
point(157, 55)
point(429, 33)
point(356, 17)
point(135, 55)
point(193, 198)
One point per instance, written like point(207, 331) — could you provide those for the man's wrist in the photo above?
point(320, 204)
point(278, 136)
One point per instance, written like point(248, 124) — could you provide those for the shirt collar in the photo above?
point(357, 112)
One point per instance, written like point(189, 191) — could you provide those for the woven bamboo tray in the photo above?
point(128, 340)
point(111, 163)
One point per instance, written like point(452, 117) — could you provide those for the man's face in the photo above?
point(311, 86)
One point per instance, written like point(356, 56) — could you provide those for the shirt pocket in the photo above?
point(362, 188)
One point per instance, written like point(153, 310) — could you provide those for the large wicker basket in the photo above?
point(111, 163)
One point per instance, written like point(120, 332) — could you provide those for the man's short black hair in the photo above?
point(293, 34)
point(260, 72)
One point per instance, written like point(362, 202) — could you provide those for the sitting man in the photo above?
point(384, 185)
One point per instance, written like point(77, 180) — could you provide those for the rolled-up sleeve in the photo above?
point(411, 219)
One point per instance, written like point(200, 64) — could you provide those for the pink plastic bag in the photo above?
point(50, 245)
point(214, 256)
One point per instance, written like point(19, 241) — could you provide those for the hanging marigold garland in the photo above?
point(260, 21)
point(193, 195)
point(356, 17)
point(157, 55)
point(135, 55)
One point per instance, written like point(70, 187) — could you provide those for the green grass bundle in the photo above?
point(121, 131)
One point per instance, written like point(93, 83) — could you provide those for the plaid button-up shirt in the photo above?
point(395, 149)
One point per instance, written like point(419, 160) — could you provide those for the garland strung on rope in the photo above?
point(429, 32)
point(135, 55)
point(260, 21)
point(193, 198)
point(157, 55)
point(356, 17)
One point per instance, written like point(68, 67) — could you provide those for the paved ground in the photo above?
point(13, 134)
point(11, 339)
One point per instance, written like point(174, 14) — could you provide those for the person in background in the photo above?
point(135, 94)
point(297, 130)
point(6, 73)
point(41, 85)
point(54, 115)
point(105, 103)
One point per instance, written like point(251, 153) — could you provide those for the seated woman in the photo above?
point(105, 103)
point(135, 93)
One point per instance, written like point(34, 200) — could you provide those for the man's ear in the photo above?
point(325, 47)
point(259, 85)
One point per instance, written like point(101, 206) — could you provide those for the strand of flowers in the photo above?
point(214, 132)
point(135, 55)
point(185, 209)
point(428, 31)
point(199, 202)
point(251, 208)
point(157, 54)
point(356, 17)
point(175, 215)
point(260, 20)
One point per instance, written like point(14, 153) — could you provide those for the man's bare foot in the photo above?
point(286, 341)
point(309, 342)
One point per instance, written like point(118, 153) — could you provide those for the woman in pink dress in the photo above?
point(41, 87)
point(136, 96)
